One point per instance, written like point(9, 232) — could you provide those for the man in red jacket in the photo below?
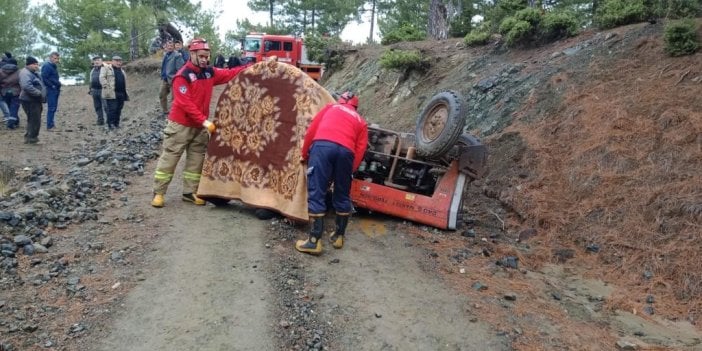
point(188, 128)
point(335, 143)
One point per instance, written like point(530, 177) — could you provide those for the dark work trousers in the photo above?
point(100, 106)
point(328, 162)
point(52, 96)
point(13, 104)
point(33, 111)
point(114, 112)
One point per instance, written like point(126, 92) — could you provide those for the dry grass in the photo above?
point(619, 165)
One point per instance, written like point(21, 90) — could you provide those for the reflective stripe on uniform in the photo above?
point(163, 175)
point(191, 176)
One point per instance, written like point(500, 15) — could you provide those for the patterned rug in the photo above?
point(254, 156)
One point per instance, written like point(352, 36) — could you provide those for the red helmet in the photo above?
point(198, 44)
point(348, 98)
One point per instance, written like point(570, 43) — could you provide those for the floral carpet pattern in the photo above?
point(254, 156)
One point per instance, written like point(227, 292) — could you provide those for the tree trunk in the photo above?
point(438, 25)
point(134, 40)
point(313, 19)
point(271, 5)
point(370, 36)
point(134, 43)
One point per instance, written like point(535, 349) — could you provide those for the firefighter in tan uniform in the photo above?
point(188, 128)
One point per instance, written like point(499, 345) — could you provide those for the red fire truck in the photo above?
point(289, 49)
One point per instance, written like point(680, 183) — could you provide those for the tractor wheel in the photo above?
point(439, 125)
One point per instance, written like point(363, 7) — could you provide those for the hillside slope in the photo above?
point(596, 149)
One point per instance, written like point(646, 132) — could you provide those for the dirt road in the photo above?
point(217, 282)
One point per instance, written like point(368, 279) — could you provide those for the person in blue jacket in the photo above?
point(50, 77)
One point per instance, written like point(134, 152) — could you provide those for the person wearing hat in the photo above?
point(50, 77)
point(188, 128)
point(114, 90)
point(32, 96)
point(95, 91)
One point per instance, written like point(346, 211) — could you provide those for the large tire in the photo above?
point(439, 125)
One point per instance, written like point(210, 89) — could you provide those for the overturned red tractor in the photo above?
point(422, 176)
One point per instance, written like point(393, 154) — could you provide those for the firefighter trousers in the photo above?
point(177, 139)
point(329, 162)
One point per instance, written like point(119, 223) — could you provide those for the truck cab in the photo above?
point(289, 49)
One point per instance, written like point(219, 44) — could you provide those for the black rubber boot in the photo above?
point(313, 245)
point(337, 236)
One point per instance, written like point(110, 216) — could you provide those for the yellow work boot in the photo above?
point(337, 236)
point(194, 199)
point(157, 201)
point(337, 240)
point(313, 245)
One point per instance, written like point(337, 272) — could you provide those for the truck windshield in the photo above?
point(252, 44)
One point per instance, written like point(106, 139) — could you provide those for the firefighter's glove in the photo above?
point(209, 126)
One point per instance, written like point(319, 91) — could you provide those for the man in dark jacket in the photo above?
point(50, 77)
point(10, 90)
point(219, 61)
point(32, 97)
point(233, 61)
point(96, 90)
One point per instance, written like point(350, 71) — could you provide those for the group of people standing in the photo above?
point(29, 87)
point(230, 63)
point(108, 87)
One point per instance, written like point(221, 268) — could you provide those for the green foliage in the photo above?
point(682, 9)
point(205, 28)
point(403, 33)
point(681, 37)
point(495, 12)
point(80, 29)
point(309, 16)
point(518, 32)
point(559, 24)
point(462, 23)
point(393, 14)
point(15, 26)
point(529, 26)
point(477, 38)
point(615, 13)
point(529, 14)
point(402, 60)
point(321, 49)
point(507, 25)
